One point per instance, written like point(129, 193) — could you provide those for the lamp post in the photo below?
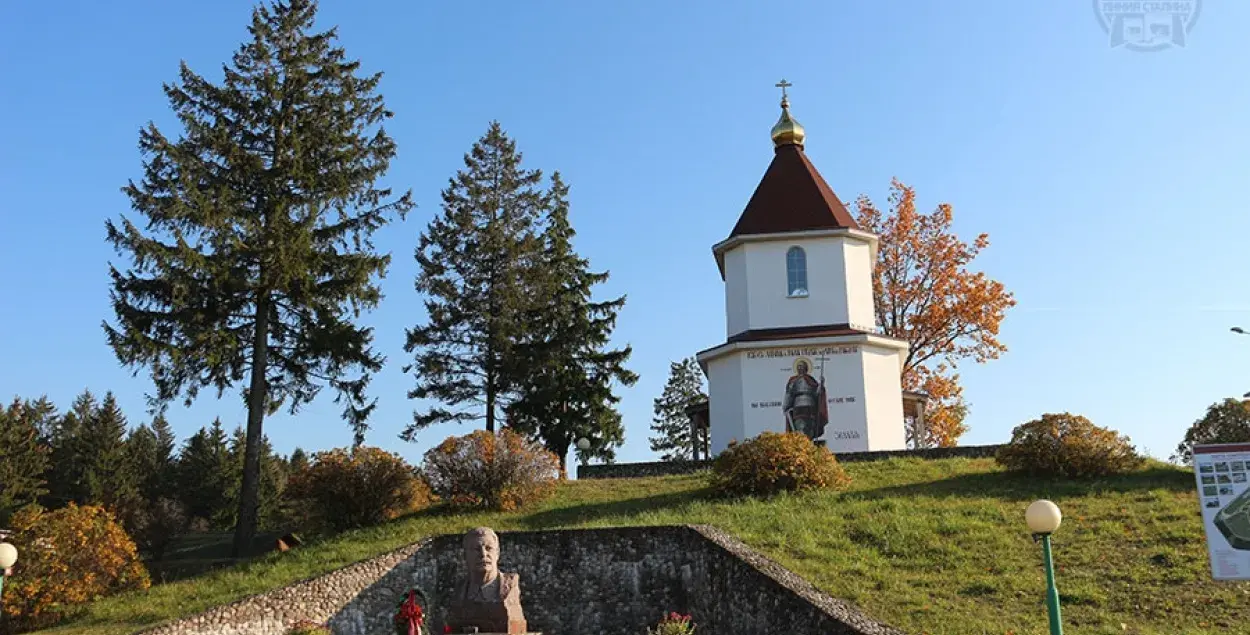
point(1043, 518)
point(583, 444)
point(1238, 330)
point(8, 556)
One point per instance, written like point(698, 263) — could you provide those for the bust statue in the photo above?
point(488, 600)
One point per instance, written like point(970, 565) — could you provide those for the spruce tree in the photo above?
point(151, 453)
point(272, 478)
point(23, 456)
point(567, 368)
point(671, 423)
point(110, 477)
point(474, 261)
point(67, 480)
point(298, 461)
point(255, 258)
point(205, 474)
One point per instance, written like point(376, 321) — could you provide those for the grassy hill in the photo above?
point(930, 546)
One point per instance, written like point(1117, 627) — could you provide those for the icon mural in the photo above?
point(805, 405)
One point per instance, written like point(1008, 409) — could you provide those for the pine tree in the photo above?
point(568, 370)
point(474, 260)
point(671, 423)
point(205, 475)
point(67, 480)
point(257, 255)
point(109, 476)
point(23, 456)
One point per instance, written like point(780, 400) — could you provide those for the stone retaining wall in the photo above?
point(573, 582)
point(667, 468)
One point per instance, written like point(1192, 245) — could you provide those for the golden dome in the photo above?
point(787, 131)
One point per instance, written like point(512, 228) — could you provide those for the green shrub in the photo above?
point(775, 462)
point(1227, 421)
point(343, 489)
point(1068, 445)
point(503, 471)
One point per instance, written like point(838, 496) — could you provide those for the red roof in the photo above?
point(792, 197)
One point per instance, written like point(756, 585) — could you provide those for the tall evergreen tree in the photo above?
point(272, 478)
point(257, 256)
point(109, 476)
point(23, 456)
point(151, 453)
point(67, 478)
point(474, 259)
point(205, 474)
point(298, 461)
point(671, 423)
point(567, 368)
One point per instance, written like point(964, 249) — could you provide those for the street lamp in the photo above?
point(1043, 518)
point(8, 556)
point(1238, 330)
point(583, 444)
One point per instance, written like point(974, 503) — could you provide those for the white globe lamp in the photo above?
point(1043, 517)
point(583, 444)
point(8, 555)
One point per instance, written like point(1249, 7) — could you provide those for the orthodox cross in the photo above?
point(783, 85)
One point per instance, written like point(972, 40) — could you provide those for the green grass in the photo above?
point(928, 546)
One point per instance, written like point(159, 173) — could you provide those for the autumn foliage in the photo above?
point(1067, 445)
point(927, 295)
point(343, 489)
point(68, 557)
point(500, 471)
point(774, 462)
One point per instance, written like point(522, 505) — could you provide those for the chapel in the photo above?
point(801, 351)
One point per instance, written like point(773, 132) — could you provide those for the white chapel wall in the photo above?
point(724, 384)
point(839, 278)
point(883, 397)
point(859, 264)
point(737, 314)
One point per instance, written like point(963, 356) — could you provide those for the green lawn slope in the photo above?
point(934, 546)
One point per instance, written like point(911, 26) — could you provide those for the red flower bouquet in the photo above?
point(409, 618)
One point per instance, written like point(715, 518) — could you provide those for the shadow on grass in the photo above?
point(1019, 487)
point(193, 555)
point(591, 512)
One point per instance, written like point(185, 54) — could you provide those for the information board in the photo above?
point(1222, 473)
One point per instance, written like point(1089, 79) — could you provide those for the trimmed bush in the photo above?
point(1068, 445)
point(502, 471)
point(776, 462)
point(69, 557)
point(343, 489)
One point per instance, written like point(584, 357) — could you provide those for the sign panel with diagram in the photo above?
point(1224, 494)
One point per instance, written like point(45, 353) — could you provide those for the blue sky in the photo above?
point(1111, 182)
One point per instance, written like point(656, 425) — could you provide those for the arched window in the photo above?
point(796, 272)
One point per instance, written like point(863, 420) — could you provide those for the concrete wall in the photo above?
point(576, 582)
point(667, 468)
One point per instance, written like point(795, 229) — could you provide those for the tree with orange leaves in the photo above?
point(926, 294)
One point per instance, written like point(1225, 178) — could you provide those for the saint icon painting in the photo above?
point(806, 406)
